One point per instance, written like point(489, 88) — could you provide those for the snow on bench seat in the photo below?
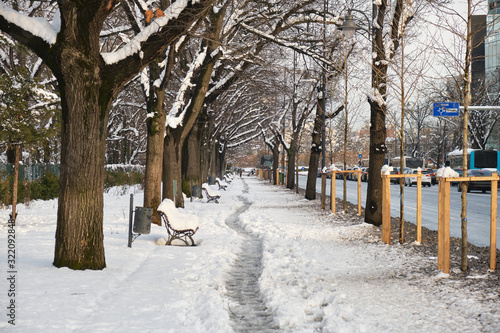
point(212, 195)
point(179, 225)
point(222, 184)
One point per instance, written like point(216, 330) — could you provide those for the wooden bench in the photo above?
point(210, 194)
point(228, 178)
point(222, 184)
point(180, 226)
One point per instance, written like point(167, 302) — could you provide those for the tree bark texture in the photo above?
point(290, 180)
point(79, 234)
point(276, 163)
point(191, 159)
point(378, 149)
point(315, 152)
point(172, 175)
point(154, 157)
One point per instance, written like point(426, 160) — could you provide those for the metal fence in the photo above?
point(29, 172)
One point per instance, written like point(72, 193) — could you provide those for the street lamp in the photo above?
point(348, 27)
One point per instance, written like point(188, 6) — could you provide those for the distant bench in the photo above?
point(210, 194)
point(222, 184)
point(179, 225)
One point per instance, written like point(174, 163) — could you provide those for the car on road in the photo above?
point(354, 175)
point(432, 173)
point(364, 174)
point(460, 173)
point(396, 171)
point(477, 185)
point(409, 181)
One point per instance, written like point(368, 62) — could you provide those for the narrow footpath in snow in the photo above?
point(248, 312)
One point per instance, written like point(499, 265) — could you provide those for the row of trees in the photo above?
point(200, 49)
point(198, 78)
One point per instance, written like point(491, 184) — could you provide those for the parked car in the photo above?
point(364, 174)
point(460, 173)
point(477, 185)
point(432, 173)
point(409, 181)
point(354, 176)
point(328, 173)
point(340, 175)
point(396, 171)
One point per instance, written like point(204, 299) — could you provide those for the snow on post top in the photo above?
point(447, 172)
point(386, 170)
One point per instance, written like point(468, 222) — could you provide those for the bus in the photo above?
point(476, 159)
point(410, 162)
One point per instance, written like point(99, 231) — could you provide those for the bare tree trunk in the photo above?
point(467, 100)
point(373, 210)
point(154, 158)
point(192, 159)
point(378, 149)
point(205, 144)
point(79, 233)
point(290, 182)
point(276, 159)
point(172, 175)
point(402, 149)
point(221, 158)
point(315, 152)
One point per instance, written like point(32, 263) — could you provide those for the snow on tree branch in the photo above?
point(175, 116)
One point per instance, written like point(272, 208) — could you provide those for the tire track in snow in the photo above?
point(248, 311)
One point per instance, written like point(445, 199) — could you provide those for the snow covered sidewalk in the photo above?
point(320, 272)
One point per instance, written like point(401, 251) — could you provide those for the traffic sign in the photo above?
point(446, 109)
point(360, 156)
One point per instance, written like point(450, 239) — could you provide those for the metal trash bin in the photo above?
point(142, 220)
point(211, 180)
point(195, 191)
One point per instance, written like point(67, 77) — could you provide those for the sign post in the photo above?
point(446, 109)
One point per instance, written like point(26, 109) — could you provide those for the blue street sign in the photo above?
point(446, 109)
point(360, 156)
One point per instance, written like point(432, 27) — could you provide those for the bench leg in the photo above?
point(172, 238)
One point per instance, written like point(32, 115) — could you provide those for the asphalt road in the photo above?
point(478, 207)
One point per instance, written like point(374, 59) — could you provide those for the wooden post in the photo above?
point(359, 192)
point(174, 189)
point(493, 224)
point(446, 249)
point(440, 223)
point(386, 210)
point(419, 207)
point(323, 190)
point(278, 177)
point(296, 176)
point(332, 191)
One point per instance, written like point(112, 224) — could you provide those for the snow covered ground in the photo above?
point(319, 273)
